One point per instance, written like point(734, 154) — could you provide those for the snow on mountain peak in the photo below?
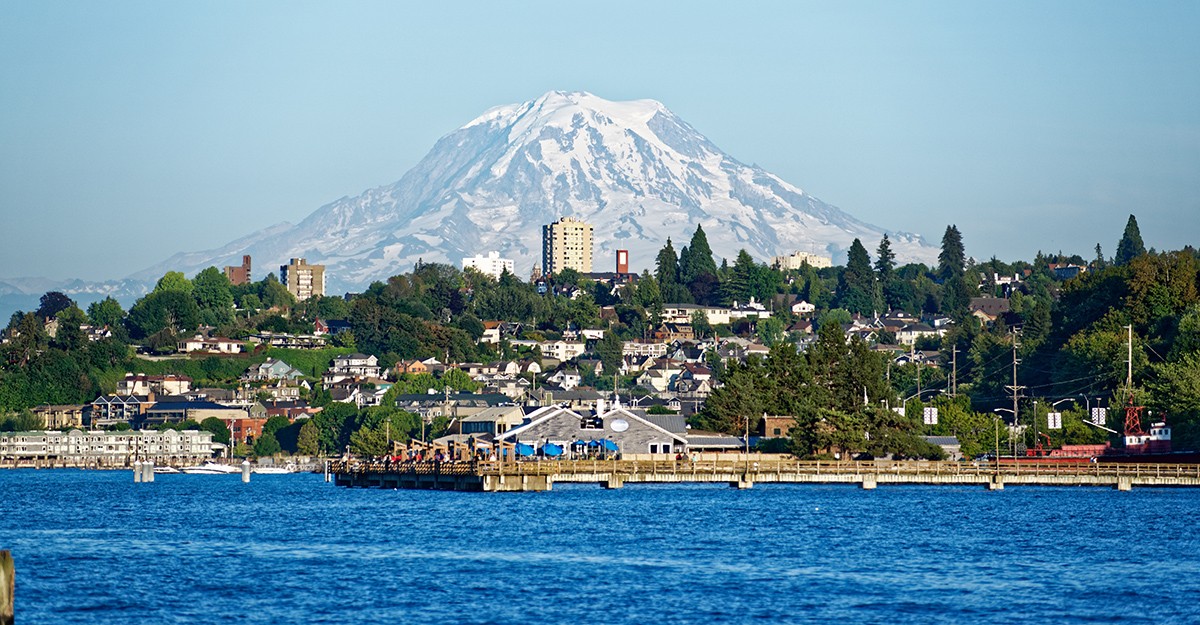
point(633, 169)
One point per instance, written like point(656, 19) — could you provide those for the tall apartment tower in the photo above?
point(567, 244)
point(239, 275)
point(302, 279)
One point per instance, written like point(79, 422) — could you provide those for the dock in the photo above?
point(541, 475)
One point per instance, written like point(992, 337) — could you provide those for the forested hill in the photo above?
point(1068, 334)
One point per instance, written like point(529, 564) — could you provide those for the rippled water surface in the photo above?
point(94, 547)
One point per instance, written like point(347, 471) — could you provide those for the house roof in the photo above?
point(175, 406)
point(670, 422)
point(491, 414)
point(706, 440)
point(991, 306)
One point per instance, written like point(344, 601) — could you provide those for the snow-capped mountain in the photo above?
point(634, 170)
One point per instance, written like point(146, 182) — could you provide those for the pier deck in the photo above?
point(542, 475)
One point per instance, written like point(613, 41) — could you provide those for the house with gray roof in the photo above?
point(633, 431)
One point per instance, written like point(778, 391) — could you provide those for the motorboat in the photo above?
point(166, 470)
point(274, 469)
point(211, 468)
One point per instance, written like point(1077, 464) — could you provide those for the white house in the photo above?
point(216, 345)
point(802, 307)
point(562, 350)
point(352, 366)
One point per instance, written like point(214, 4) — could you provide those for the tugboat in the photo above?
point(1154, 446)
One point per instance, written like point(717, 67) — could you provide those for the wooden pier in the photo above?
point(739, 473)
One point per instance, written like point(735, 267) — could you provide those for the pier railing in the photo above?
point(761, 466)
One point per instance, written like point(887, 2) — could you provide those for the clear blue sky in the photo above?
point(133, 130)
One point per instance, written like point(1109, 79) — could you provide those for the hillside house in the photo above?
point(211, 345)
point(270, 370)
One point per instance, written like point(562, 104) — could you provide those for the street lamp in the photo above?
point(1011, 441)
point(904, 401)
point(1055, 404)
point(928, 390)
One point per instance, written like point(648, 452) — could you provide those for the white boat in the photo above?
point(212, 468)
point(275, 469)
point(166, 470)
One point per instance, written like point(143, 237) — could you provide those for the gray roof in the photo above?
point(175, 406)
point(669, 422)
point(941, 440)
point(715, 442)
point(462, 399)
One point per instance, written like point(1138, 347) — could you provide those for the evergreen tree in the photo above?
point(953, 257)
point(857, 290)
point(667, 272)
point(956, 291)
point(697, 271)
point(885, 267)
point(885, 264)
point(610, 349)
point(667, 266)
point(685, 257)
point(740, 286)
point(1099, 263)
point(699, 259)
point(1131, 245)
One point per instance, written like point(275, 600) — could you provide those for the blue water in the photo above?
point(93, 547)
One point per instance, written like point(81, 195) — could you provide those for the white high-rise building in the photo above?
point(491, 264)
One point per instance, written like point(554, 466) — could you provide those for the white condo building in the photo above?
point(491, 264)
point(799, 259)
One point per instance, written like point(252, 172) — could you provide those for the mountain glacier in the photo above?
point(634, 170)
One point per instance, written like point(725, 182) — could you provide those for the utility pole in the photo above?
point(913, 354)
point(954, 371)
point(1016, 389)
point(1129, 362)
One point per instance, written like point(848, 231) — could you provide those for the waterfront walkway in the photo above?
point(742, 473)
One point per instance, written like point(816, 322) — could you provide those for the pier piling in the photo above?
point(245, 471)
point(8, 575)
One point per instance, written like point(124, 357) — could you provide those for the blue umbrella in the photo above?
point(609, 445)
point(524, 450)
point(552, 450)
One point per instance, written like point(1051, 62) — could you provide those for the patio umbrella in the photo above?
point(524, 450)
point(609, 445)
point(552, 450)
